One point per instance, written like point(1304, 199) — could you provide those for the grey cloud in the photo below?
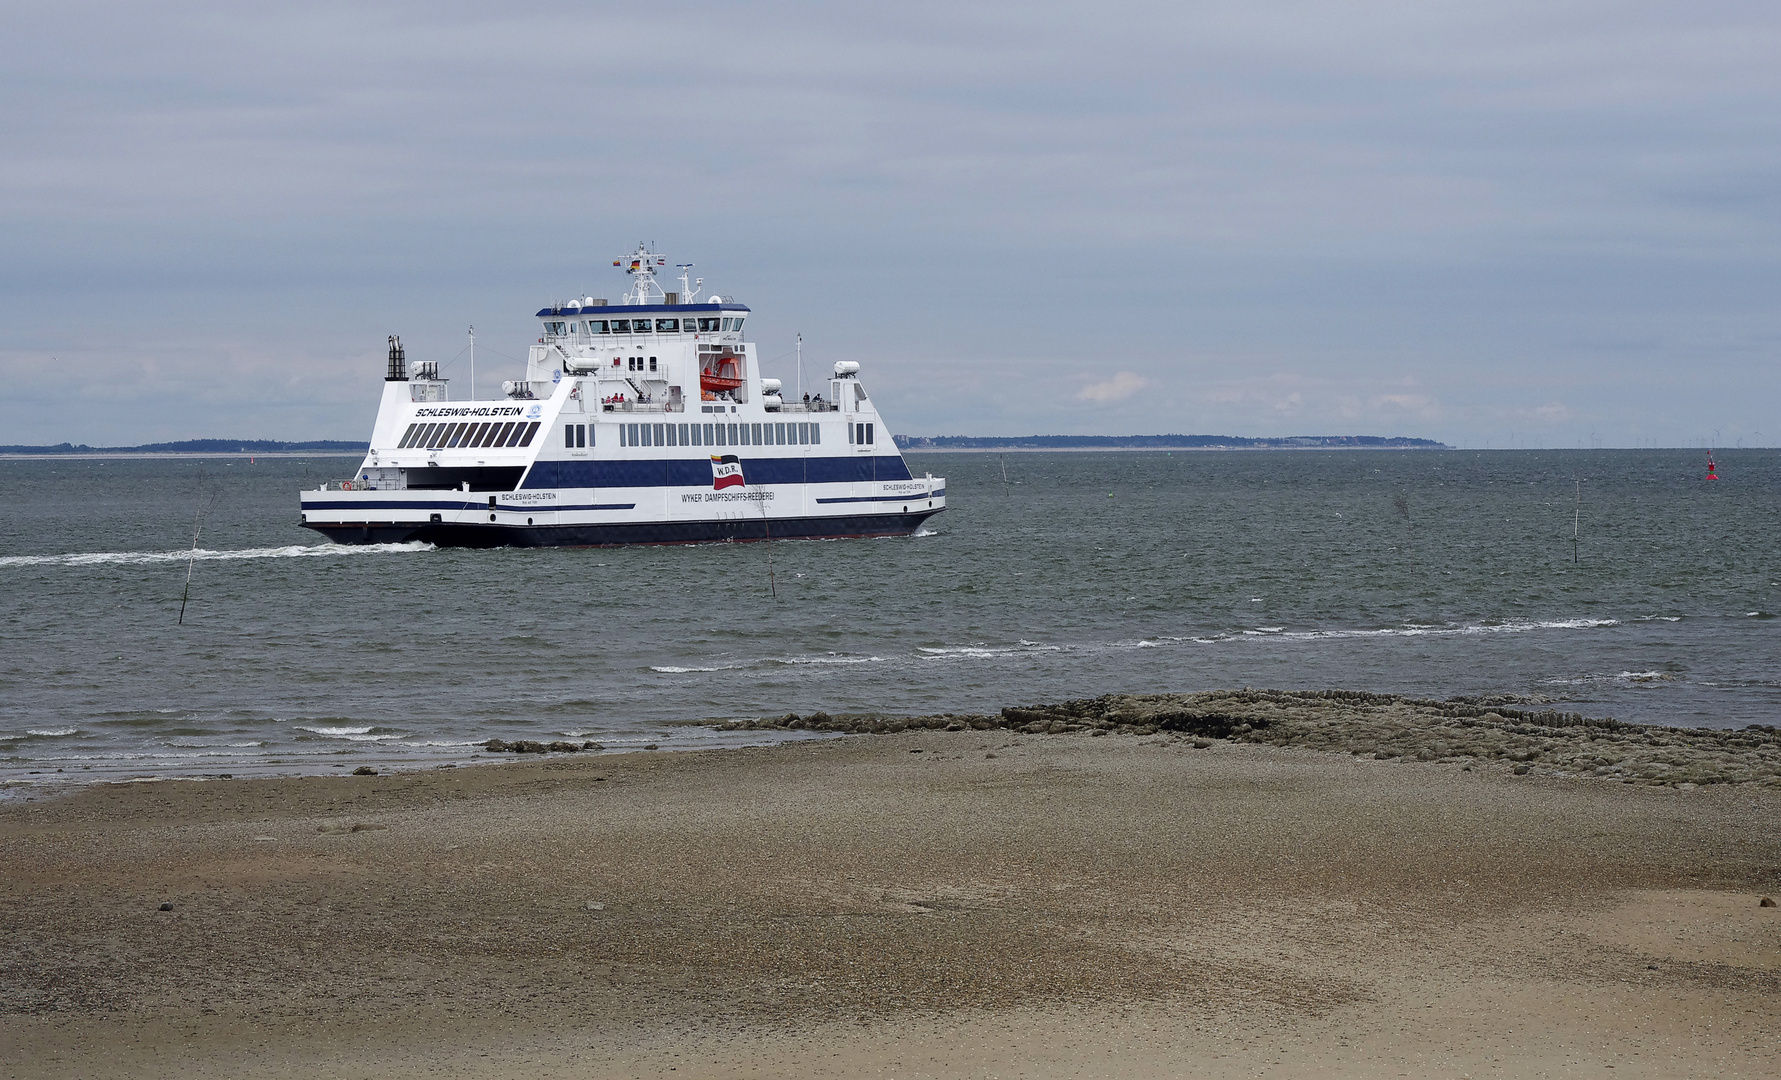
point(223, 210)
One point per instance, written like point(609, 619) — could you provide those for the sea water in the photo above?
point(1052, 576)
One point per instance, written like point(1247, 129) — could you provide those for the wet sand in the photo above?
point(922, 903)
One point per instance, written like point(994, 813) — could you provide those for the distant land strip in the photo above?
point(1164, 442)
point(905, 442)
point(199, 446)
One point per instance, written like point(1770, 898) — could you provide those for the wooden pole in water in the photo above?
point(1576, 522)
point(197, 529)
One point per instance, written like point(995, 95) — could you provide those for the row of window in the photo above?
point(642, 326)
point(720, 434)
point(444, 436)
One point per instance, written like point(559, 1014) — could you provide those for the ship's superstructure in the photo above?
point(646, 421)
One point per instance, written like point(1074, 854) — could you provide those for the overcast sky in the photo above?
point(1492, 224)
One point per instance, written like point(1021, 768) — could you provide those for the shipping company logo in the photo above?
point(534, 412)
point(726, 471)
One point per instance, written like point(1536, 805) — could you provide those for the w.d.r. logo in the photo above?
point(726, 471)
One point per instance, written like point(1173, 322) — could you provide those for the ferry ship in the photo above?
point(642, 422)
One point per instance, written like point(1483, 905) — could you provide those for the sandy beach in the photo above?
point(979, 903)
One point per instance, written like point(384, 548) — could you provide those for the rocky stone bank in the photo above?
point(1468, 731)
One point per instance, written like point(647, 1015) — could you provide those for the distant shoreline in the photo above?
point(192, 448)
point(1165, 442)
point(169, 455)
point(1146, 449)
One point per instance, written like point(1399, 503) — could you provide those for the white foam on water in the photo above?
point(800, 661)
point(352, 734)
point(964, 652)
point(666, 669)
point(1658, 618)
point(140, 558)
point(1407, 630)
point(52, 732)
point(1632, 677)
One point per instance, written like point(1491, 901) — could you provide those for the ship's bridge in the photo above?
point(595, 320)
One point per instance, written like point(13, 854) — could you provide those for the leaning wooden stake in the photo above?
point(197, 530)
point(1576, 522)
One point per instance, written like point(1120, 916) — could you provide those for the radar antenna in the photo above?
point(689, 293)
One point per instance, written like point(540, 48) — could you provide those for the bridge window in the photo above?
point(707, 324)
point(667, 324)
point(531, 430)
point(596, 326)
point(621, 326)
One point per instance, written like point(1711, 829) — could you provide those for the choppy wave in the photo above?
point(139, 558)
point(353, 734)
point(1422, 630)
point(51, 733)
point(1629, 678)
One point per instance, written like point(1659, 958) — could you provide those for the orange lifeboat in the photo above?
point(719, 373)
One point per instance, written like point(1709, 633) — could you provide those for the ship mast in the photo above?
point(641, 265)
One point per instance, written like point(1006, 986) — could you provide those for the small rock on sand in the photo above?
point(1202, 744)
point(1767, 901)
point(364, 770)
point(595, 905)
point(166, 907)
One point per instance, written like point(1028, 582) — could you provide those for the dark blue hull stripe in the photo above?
point(911, 497)
point(491, 535)
point(696, 472)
